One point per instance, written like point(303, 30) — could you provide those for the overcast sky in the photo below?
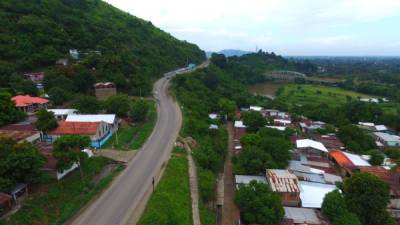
point(287, 27)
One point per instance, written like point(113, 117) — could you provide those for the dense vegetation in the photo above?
point(200, 93)
point(8, 112)
point(20, 162)
point(259, 204)
point(57, 201)
point(170, 203)
point(251, 68)
point(268, 148)
point(364, 197)
point(113, 45)
point(370, 75)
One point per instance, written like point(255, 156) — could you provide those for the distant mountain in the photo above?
point(230, 52)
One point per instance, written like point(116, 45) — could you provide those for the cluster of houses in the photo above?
point(99, 127)
point(318, 163)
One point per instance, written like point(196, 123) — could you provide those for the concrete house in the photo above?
point(61, 114)
point(105, 90)
point(110, 119)
point(29, 104)
point(387, 139)
point(99, 132)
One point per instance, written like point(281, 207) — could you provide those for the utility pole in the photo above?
point(153, 182)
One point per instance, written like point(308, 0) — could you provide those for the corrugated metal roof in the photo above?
point(308, 143)
point(282, 181)
point(108, 118)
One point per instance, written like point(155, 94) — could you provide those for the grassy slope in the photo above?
point(60, 200)
point(307, 94)
point(171, 204)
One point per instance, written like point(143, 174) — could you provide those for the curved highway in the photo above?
point(123, 202)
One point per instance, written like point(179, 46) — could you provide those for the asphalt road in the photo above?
point(125, 195)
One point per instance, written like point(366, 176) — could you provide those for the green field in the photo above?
point(171, 203)
point(305, 94)
point(58, 201)
point(133, 137)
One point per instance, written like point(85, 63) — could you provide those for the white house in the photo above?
point(310, 144)
point(61, 114)
point(109, 119)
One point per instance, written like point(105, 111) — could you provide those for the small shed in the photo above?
point(19, 190)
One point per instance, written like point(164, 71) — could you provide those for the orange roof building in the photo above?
point(77, 128)
point(340, 158)
point(99, 132)
point(28, 103)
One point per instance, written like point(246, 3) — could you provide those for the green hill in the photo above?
point(36, 33)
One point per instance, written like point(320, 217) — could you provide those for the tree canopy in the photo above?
point(139, 110)
point(113, 46)
point(20, 162)
point(253, 121)
point(118, 104)
point(46, 121)
point(8, 112)
point(367, 196)
point(68, 150)
point(258, 204)
point(268, 148)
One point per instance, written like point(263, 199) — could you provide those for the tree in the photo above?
point(254, 121)
point(86, 104)
point(20, 162)
point(278, 149)
point(68, 150)
point(139, 110)
point(58, 95)
point(333, 205)
point(228, 107)
point(355, 139)
point(367, 196)
point(24, 163)
point(258, 204)
point(219, 60)
point(377, 157)
point(347, 218)
point(118, 104)
point(250, 140)
point(8, 112)
point(253, 160)
point(46, 121)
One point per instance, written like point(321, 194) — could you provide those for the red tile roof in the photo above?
point(19, 127)
point(341, 158)
point(17, 135)
point(79, 128)
point(391, 177)
point(26, 100)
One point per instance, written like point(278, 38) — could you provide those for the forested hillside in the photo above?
point(251, 68)
point(116, 46)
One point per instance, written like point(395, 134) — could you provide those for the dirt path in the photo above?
point(230, 213)
point(194, 188)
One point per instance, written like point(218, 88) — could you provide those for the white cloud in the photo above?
point(271, 24)
point(330, 40)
